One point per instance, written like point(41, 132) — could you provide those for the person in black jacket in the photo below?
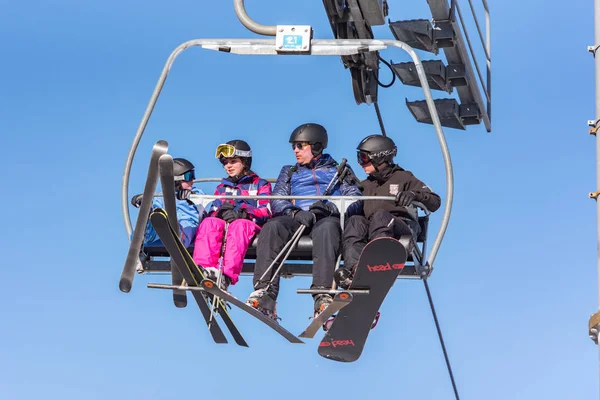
point(383, 218)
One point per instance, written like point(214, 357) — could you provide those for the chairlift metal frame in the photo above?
point(322, 47)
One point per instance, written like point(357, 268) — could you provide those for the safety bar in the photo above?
point(339, 201)
point(332, 47)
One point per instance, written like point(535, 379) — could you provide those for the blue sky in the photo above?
point(515, 280)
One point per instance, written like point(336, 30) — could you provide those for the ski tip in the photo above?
point(161, 144)
point(180, 302)
point(125, 285)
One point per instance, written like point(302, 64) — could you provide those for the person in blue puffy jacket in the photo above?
point(188, 212)
point(310, 176)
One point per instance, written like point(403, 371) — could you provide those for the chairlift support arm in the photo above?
point(240, 11)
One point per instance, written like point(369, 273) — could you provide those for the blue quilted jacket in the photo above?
point(311, 179)
point(189, 215)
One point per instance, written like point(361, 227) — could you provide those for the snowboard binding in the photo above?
point(329, 322)
point(343, 277)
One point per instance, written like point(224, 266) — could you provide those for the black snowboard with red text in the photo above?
point(378, 267)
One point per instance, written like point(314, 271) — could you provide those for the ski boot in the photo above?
point(322, 301)
point(343, 277)
point(213, 273)
point(261, 300)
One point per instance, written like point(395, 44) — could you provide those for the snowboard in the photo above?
point(379, 265)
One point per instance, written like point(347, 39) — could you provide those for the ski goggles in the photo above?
point(363, 157)
point(187, 177)
point(228, 151)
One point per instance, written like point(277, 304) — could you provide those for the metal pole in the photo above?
point(488, 46)
point(597, 61)
point(240, 11)
point(594, 322)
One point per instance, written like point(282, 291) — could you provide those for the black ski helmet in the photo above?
point(181, 166)
point(378, 149)
point(242, 150)
point(312, 133)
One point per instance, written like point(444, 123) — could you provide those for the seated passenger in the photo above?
point(311, 175)
point(383, 218)
point(188, 212)
point(232, 224)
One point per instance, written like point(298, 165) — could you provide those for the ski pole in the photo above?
point(296, 240)
point(220, 277)
point(336, 178)
point(292, 239)
point(222, 255)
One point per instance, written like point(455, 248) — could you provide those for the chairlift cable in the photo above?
point(391, 70)
point(439, 331)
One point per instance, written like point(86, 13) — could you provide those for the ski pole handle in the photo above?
point(340, 170)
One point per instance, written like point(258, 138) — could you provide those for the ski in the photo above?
point(340, 300)
point(167, 181)
point(181, 257)
point(212, 288)
point(198, 275)
point(379, 265)
point(133, 255)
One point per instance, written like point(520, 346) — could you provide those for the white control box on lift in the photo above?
point(293, 38)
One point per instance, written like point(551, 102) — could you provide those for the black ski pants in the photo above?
point(359, 230)
point(326, 236)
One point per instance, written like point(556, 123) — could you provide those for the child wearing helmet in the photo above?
point(188, 212)
point(231, 225)
point(383, 218)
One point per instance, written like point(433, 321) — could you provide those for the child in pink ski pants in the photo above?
point(232, 224)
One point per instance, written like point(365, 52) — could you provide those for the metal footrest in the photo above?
point(332, 292)
point(175, 287)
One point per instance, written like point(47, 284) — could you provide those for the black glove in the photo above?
point(183, 194)
point(136, 200)
point(231, 215)
point(406, 198)
point(323, 210)
point(224, 207)
point(306, 218)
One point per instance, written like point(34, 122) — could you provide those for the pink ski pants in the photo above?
point(209, 239)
